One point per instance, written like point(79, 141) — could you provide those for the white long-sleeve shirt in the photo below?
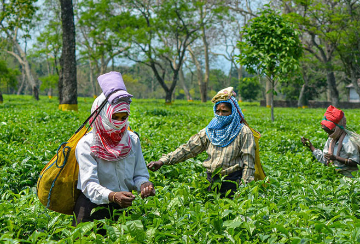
point(347, 151)
point(97, 177)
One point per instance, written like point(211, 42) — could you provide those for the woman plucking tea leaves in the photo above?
point(227, 140)
point(110, 159)
point(339, 150)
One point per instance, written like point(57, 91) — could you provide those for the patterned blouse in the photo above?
point(239, 154)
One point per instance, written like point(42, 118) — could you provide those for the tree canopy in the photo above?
point(271, 47)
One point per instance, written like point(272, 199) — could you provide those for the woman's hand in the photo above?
point(329, 157)
point(155, 165)
point(147, 189)
point(123, 198)
point(307, 143)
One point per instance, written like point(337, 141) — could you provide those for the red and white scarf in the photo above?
point(111, 138)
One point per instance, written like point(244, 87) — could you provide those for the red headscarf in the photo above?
point(335, 118)
point(111, 138)
point(332, 117)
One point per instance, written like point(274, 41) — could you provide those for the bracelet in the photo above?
point(114, 197)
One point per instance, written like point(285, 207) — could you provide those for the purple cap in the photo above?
point(113, 81)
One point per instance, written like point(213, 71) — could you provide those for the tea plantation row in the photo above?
point(301, 201)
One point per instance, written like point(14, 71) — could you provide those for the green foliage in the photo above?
point(17, 13)
point(303, 201)
point(272, 46)
point(249, 88)
point(49, 81)
point(7, 75)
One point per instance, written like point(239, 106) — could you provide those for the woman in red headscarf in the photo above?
point(339, 150)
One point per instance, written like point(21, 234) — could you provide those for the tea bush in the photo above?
point(301, 201)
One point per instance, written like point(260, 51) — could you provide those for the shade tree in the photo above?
point(160, 32)
point(67, 79)
point(48, 46)
point(17, 19)
point(348, 47)
point(240, 12)
point(271, 48)
point(318, 22)
point(209, 14)
point(99, 37)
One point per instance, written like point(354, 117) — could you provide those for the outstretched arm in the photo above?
point(196, 145)
point(306, 142)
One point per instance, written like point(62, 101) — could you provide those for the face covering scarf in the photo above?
point(222, 130)
point(111, 138)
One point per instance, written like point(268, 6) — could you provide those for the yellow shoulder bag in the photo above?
point(57, 183)
point(259, 171)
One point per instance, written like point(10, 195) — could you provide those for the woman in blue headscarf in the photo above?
point(229, 143)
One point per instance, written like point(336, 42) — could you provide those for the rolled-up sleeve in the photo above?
point(247, 149)
point(196, 145)
point(319, 155)
point(88, 181)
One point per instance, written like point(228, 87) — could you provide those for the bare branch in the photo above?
point(17, 57)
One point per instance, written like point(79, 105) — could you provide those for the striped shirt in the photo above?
point(239, 154)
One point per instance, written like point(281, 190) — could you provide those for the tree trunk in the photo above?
point(22, 83)
point(302, 97)
point(50, 92)
point(334, 94)
point(69, 83)
point(301, 101)
point(267, 92)
point(182, 81)
point(31, 79)
point(102, 66)
point(168, 95)
point(60, 83)
point(271, 90)
point(207, 67)
point(272, 87)
point(168, 91)
point(92, 81)
point(152, 85)
point(239, 71)
point(1, 97)
point(24, 62)
point(228, 80)
point(36, 92)
point(199, 73)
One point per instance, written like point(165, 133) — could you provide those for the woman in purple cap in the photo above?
point(110, 159)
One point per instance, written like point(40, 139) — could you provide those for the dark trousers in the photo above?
point(225, 186)
point(84, 206)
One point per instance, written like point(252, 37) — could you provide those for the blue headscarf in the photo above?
point(222, 130)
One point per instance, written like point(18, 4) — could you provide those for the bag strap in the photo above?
point(96, 112)
point(246, 123)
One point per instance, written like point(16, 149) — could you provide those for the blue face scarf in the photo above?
point(222, 130)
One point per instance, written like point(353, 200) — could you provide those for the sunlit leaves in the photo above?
point(271, 46)
point(300, 201)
